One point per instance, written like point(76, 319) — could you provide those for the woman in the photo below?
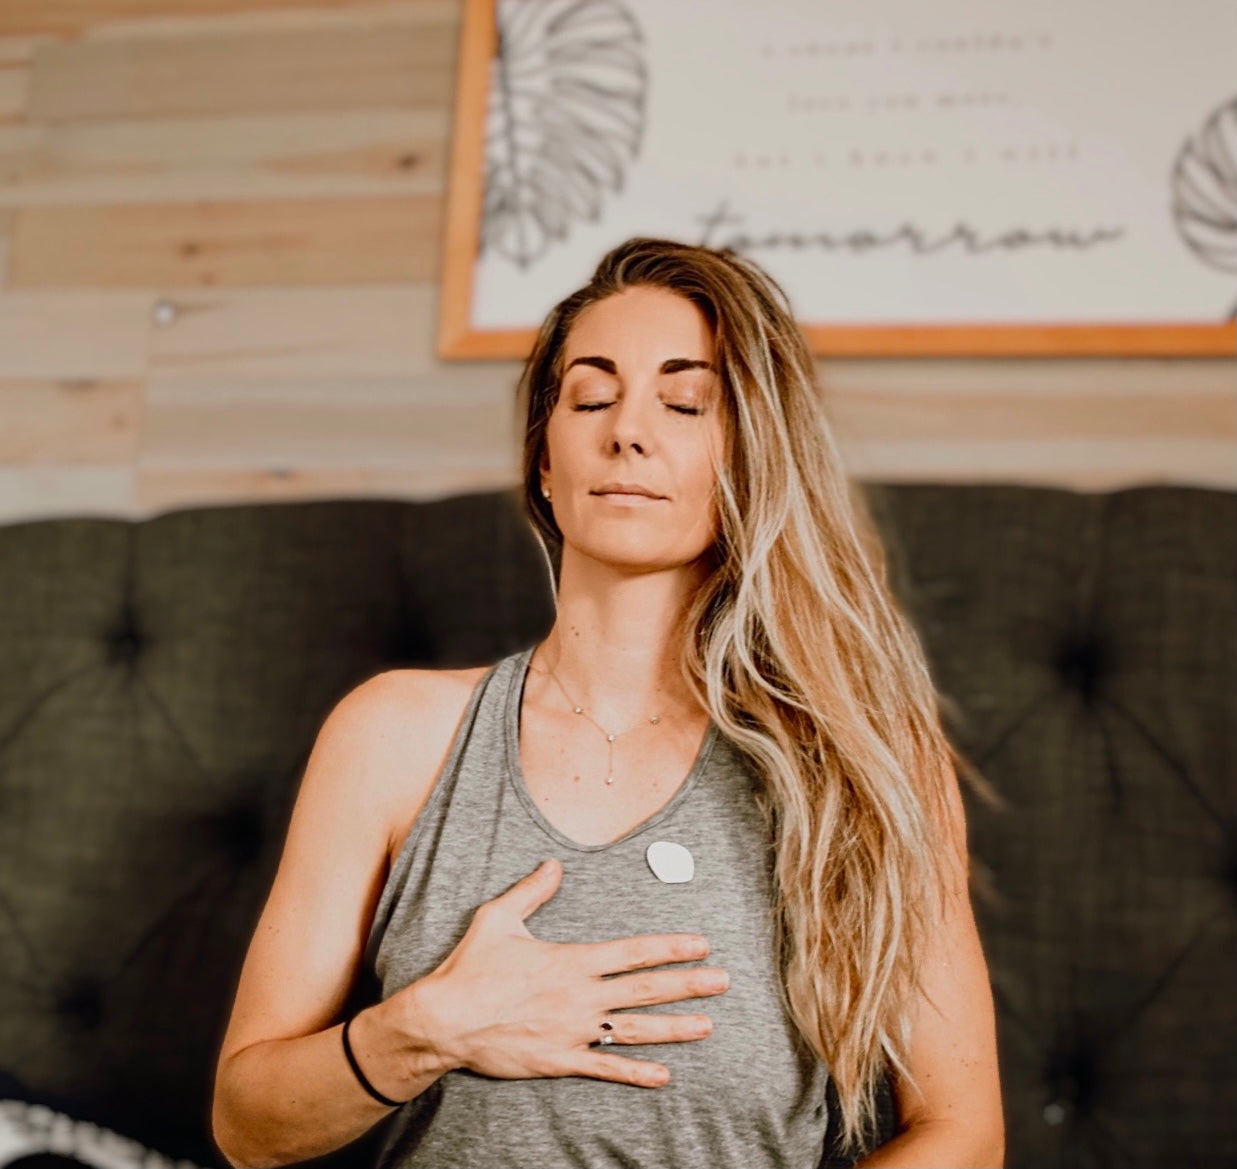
point(726, 751)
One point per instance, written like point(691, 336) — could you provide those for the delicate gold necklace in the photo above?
point(610, 735)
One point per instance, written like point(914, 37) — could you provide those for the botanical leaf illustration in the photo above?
point(1205, 190)
point(566, 118)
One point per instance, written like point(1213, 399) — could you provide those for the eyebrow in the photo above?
point(671, 365)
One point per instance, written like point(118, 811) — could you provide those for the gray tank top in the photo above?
point(748, 1095)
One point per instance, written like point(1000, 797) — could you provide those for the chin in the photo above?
point(641, 558)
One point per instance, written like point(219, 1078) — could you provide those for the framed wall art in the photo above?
point(923, 178)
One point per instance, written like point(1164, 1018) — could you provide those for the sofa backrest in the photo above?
point(162, 682)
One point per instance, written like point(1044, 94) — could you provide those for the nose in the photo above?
point(630, 425)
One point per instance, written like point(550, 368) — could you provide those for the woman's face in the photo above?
point(640, 408)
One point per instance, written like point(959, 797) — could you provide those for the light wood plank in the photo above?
point(1111, 377)
point(1041, 414)
point(20, 50)
point(1083, 464)
point(296, 70)
point(70, 421)
point(49, 491)
point(185, 22)
point(309, 241)
point(73, 334)
point(14, 86)
point(6, 231)
point(159, 491)
point(454, 387)
point(258, 157)
point(72, 18)
point(358, 331)
point(290, 427)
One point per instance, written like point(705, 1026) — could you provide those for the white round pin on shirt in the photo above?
point(671, 863)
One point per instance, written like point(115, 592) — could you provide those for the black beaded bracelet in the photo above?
point(360, 1075)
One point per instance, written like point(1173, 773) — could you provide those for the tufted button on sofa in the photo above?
point(162, 682)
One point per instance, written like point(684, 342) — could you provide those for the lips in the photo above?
point(626, 489)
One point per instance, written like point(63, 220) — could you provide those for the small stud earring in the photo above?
point(545, 490)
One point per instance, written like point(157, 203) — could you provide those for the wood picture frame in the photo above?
point(461, 337)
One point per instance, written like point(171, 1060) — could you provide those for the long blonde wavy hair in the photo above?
point(802, 657)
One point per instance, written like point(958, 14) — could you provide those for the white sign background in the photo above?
point(855, 120)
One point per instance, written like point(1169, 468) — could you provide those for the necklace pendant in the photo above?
point(609, 781)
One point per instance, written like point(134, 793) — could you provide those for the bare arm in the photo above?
point(954, 1117)
point(283, 1089)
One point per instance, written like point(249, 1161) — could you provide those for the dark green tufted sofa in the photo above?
point(161, 684)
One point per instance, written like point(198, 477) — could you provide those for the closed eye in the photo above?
point(669, 406)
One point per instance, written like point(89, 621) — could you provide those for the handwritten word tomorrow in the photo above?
point(918, 240)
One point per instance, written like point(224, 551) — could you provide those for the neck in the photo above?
point(616, 642)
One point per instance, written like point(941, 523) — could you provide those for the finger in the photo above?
point(633, 1029)
point(623, 954)
point(620, 1069)
point(533, 891)
point(663, 986)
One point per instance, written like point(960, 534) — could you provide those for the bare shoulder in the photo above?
point(406, 720)
point(410, 701)
point(372, 765)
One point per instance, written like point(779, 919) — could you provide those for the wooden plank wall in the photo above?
point(219, 240)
